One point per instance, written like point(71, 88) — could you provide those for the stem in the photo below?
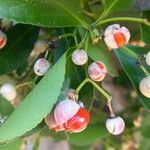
point(108, 97)
point(46, 54)
point(82, 84)
point(65, 35)
point(105, 94)
point(24, 84)
point(89, 14)
point(144, 70)
point(130, 19)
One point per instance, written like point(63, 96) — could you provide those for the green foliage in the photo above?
point(13, 145)
point(100, 52)
point(145, 31)
point(133, 71)
point(37, 104)
point(5, 107)
point(53, 13)
point(21, 39)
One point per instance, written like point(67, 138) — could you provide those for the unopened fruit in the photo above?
point(41, 67)
point(145, 86)
point(79, 57)
point(97, 71)
point(115, 125)
point(147, 58)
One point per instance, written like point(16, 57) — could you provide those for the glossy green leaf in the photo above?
point(114, 5)
point(145, 30)
point(21, 40)
point(100, 52)
point(132, 70)
point(50, 13)
point(36, 105)
point(14, 145)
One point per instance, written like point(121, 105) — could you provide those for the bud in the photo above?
point(115, 125)
point(116, 36)
point(3, 39)
point(147, 59)
point(8, 91)
point(97, 71)
point(79, 57)
point(41, 67)
point(145, 86)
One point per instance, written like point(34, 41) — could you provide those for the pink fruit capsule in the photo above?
point(41, 67)
point(116, 36)
point(3, 39)
point(145, 86)
point(65, 110)
point(115, 125)
point(97, 71)
point(50, 121)
point(147, 59)
point(79, 57)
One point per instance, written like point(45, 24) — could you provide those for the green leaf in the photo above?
point(115, 5)
point(15, 145)
point(134, 73)
point(91, 134)
point(49, 13)
point(6, 108)
point(100, 52)
point(145, 30)
point(21, 40)
point(36, 105)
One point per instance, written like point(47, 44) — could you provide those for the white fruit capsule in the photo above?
point(116, 36)
point(79, 57)
point(115, 125)
point(97, 71)
point(8, 91)
point(3, 39)
point(41, 67)
point(40, 46)
point(147, 58)
point(65, 110)
point(145, 86)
